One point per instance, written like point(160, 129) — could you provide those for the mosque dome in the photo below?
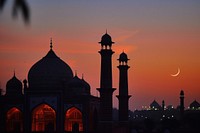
point(14, 86)
point(106, 40)
point(123, 57)
point(49, 73)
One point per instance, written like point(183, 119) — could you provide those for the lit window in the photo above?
point(73, 117)
point(43, 118)
point(14, 121)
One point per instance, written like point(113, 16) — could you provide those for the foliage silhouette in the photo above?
point(18, 6)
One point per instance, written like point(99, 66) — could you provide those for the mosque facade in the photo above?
point(53, 99)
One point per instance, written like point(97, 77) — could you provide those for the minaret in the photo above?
point(163, 105)
point(182, 103)
point(123, 96)
point(106, 90)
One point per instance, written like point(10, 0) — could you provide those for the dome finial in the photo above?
point(51, 46)
point(14, 73)
point(106, 31)
point(82, 76)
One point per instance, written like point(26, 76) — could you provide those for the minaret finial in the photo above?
point(51, 46)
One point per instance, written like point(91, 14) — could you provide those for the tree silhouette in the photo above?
point(19, 6)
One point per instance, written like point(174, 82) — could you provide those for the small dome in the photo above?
point(106, 40)
point(194, 105)
point(25, 81)
point(182, 92)
point(78, 86)
point(76, 82)
point(87, 86)
point(155, 105)
point(123, 57)
point(14, 86)
point(49, 73)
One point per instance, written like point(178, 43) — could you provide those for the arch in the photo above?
point(43, 118)
point(14, 121)
point(73, 120)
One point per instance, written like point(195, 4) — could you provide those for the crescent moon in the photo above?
point(175, 75)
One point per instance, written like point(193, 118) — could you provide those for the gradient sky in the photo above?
point(159, 37)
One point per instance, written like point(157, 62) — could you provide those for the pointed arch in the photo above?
point(43, 118)
point(14, 121)
point(73, 119)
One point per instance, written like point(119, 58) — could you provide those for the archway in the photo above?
point(43, 118)
point(14, 122)
point(73, 120)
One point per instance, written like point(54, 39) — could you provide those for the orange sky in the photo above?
point(159, 38)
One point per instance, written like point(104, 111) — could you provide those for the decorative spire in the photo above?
point(82, 76)
point(106, 31)
point(14, 73)
point(51, 46)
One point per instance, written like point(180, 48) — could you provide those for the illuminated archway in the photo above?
point(73, 118)
point(14, 122)
point(43, 118)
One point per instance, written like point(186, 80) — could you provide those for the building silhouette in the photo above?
point(53, 99)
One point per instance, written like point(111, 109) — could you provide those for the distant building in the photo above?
point(155, 106)
point(155, 112)
point(194, 105)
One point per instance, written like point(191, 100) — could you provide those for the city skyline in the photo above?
point(158, 37)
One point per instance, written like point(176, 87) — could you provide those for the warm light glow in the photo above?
point(43, 118)
point(14, 122)
point(73, 116)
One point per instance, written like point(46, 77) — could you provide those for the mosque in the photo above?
point(56, 100)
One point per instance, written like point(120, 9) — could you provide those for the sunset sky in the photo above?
point(159, 37)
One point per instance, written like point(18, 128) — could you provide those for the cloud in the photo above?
point(125, 41)
point(126, 36)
